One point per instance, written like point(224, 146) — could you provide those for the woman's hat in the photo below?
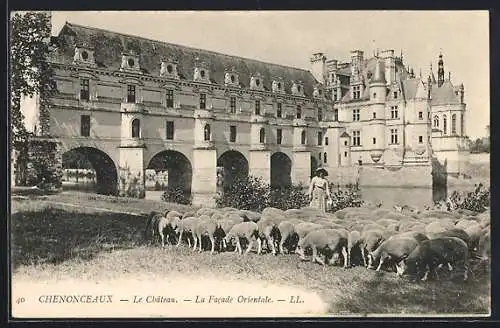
point(320, 169)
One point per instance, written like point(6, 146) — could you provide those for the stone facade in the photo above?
point(134, 104)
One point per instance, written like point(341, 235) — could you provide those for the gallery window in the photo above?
point(85, 125)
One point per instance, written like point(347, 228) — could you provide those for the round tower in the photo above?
point(376, 128)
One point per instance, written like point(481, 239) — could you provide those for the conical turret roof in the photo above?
point(379, 75)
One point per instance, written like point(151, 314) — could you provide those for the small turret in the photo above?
point(440, 70)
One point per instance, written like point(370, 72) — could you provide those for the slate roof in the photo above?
point(109, 46)
point(444, 95)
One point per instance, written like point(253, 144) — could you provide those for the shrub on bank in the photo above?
point(477, 200)
point(251, 193)
point(342, 198)
point(246, 193)
point(176, 195)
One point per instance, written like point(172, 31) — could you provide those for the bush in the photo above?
point(246, 193)
point(44, 166)
point(176, 195)
point(348, 197)
point(288, 197)
point(477, 200)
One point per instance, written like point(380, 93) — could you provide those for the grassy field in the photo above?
point(58, 242)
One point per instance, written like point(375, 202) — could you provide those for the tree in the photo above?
point(31, 75)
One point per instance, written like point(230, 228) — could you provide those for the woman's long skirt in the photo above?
point(319, 199)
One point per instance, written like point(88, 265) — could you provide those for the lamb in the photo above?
point(287, 232)
point(434, 252)
point(206, 226)
point(395, 249)
point(323, 240)
point(247, 230)
point(370, 240)
point(186, 225)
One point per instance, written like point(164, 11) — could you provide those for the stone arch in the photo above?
point(281, 169)
point(314, 166)
point(136, 128)
point(234, 165)
point(106, 174)
point(178, 168)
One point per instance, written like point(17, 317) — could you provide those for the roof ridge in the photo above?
point(180, 45)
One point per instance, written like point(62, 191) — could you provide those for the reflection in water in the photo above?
point(389, 197)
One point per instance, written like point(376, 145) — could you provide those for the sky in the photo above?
point(291, 37)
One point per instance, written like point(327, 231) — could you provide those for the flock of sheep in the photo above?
point(403, 240)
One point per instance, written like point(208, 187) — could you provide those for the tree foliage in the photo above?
point(31, 73)
point(480, 145)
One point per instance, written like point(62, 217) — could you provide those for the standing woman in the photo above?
point(319, 191)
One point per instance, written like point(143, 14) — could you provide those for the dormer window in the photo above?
point(169, 68)
point(231, 78)
point(201, 72)
point(297, 88)
point(395, 94)
point(256, 82)
point(278, 86)
point(84, 55)
point(130, 62)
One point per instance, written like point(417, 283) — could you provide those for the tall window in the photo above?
point(279, 136)
point(420, 139)
point(203, 101)
point(84, 89)
point(303, 138)
point(232, 105)
point(462, 124)
point(206, 132)
point(394, 111)
point(325, 159)
point(356, 92)
point(299, 112)
point(395, 94)
point(420, 115)
point(374, 115)
point(320, 138)
point(356, 138)
point(136, 128)
point(262, 135)
point(355, 115)
point(335, 96)
point(445, 124)
point(320, 114)
point(232, 133)
point(454, 124)
point(374, 141)
point(85, 125)
point(257, 107)
point(336, 114)
point(279, 109)
point(326, 141)
point(394, 136)
point(170, 98)
point(170, 130)
point(131, 93)
point(436, 121)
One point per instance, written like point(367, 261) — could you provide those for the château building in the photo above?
point(132, 104)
